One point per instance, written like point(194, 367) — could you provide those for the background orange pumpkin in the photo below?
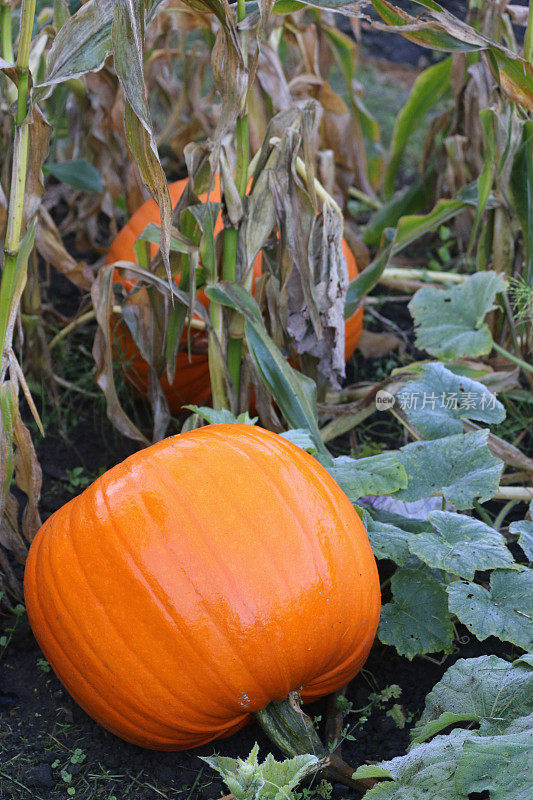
point(199, 580)
point(191, 382)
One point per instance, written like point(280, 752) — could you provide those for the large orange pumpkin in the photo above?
point(191, 379)
point(199, 580)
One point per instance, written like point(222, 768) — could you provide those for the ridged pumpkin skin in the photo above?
point(191, 382)
point(202, 578)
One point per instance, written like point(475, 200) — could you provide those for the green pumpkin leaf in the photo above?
point(450, 322)
point(427, 772)
point(388, 541)
point(417, 621)
point(524, 529)
point(301, 438)
point(437, 402)
point(486, 690)
point(221, 416)
point(461, 467)
point(461, 545)
point(501, 765)
point(357, 477)
point(504, 610)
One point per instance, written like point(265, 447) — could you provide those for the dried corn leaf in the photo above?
point(50, 246)
point(102, 297)
point(28, 477)
point(128, 42)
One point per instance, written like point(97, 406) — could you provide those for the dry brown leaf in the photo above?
point(39, 134)
point(28, 477)
point(377, 345)
point(102, 297)
point(10, 537)
point(50, 246)
point(10, 586)
point(332, 101)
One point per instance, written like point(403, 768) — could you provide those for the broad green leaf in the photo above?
point(461, 545)
point(79, 174)
point(417, 621)
point(504, 610)
point(437, 402)
point(301, 438)
point(427, 772)
point(522, 193)
point(460, 466)
point(501, 765)
point(371, 771)
point(427, 90)
point(222, 416)
point(411, 524)
point(524, 529)
point(486, 690)
point(294, 393)
point(357, 477)
point(271, 780)
point(388, 541)
point(450, 322)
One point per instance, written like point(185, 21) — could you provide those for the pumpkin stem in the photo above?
point(294, 733)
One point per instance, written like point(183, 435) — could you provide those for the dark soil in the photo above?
point(41, 727)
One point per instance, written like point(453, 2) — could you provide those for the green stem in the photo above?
point(23, 57)
point(518, 361)
point(229, 260)
point(6, 33)
point(293, 732)
point(18, 170)
point(528, 41)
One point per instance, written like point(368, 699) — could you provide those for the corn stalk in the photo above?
point(17, 250)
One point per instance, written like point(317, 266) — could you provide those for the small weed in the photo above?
point(43, 665)
point(6, 637)
point(77, 479)
point(444, 256)
point(322, 790)
point(377, 702)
